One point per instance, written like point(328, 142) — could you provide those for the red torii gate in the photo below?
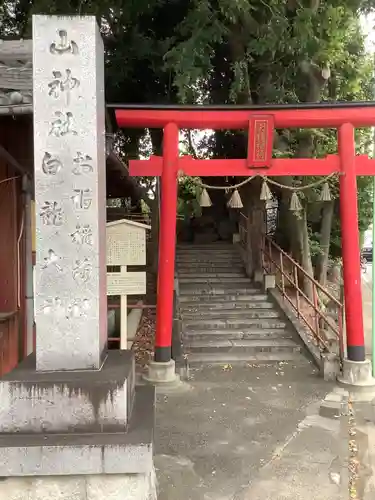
point(260, 122)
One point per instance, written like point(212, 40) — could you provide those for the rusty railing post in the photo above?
point(295, 272)
point(316, 306)
point(282, 274)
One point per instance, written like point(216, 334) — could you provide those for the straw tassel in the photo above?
point(235, 200)
point(325, 194)
point(295, 204)
point(205, 200)
point(265, 193)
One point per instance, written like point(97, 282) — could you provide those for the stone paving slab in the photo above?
point(255, 433)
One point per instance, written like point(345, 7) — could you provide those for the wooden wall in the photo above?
point(16, 138)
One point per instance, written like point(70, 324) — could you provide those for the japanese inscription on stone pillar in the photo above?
point(69, 155)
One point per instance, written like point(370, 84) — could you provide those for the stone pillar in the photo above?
point(70, 193)
point(72, 421)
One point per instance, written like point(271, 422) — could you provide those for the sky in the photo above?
point(368, 23)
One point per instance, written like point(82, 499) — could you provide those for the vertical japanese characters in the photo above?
point(70, 193)
point(62, 89)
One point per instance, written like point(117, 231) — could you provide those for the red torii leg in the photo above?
point(350, 245)
point(167, 245)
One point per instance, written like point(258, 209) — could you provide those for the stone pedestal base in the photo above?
point(76, 435)
point(64, 402)
point(330, 366)
point(269, 281)
point(87, 487)
point(161, 373)
point(357, 376)
point(356, 384)
point(49, 454)
point(164, 378)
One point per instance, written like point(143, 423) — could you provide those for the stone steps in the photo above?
point(202, 257)
point(206, 251)
point(213, 280)
point(225, 317)
point(229, 314)
point(243, 345)
point(224, 261)
point(221, 358)
point(253, 296)
point(209, 268)
point(227, 306)
point(234, 323)
point(217, 289)
point(253, 333)
point(186, 276)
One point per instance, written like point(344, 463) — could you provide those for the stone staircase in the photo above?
point(225, 317)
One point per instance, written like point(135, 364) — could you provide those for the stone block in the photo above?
point(70, 193)
point(269, 281)
point(330, 366)
point(89, 487)
point(82, 401)
point(52, 454)
point(258, 276)
point(120, 487)
point(16, 488)
point(58, 488)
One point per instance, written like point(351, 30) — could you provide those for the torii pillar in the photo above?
point(357, 370)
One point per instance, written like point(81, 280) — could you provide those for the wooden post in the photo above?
point(123, 317)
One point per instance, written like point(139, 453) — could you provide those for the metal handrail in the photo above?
point(272, 244)
point(314, 305)
point(309, 310)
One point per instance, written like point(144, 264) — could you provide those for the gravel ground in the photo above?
point(143, 345)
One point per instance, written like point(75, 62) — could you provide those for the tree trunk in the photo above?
point(287, 223)
point(325, 238)
point(306, 255)
point(283, 234)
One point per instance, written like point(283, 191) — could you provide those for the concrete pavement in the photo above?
point(247, 433)
point(255, 433)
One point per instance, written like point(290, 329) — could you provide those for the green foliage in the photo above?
point(227, 51)
point(187, 188)
point(188, 195)
point(261, 52)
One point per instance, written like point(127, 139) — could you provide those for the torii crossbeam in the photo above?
point(260, 124)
